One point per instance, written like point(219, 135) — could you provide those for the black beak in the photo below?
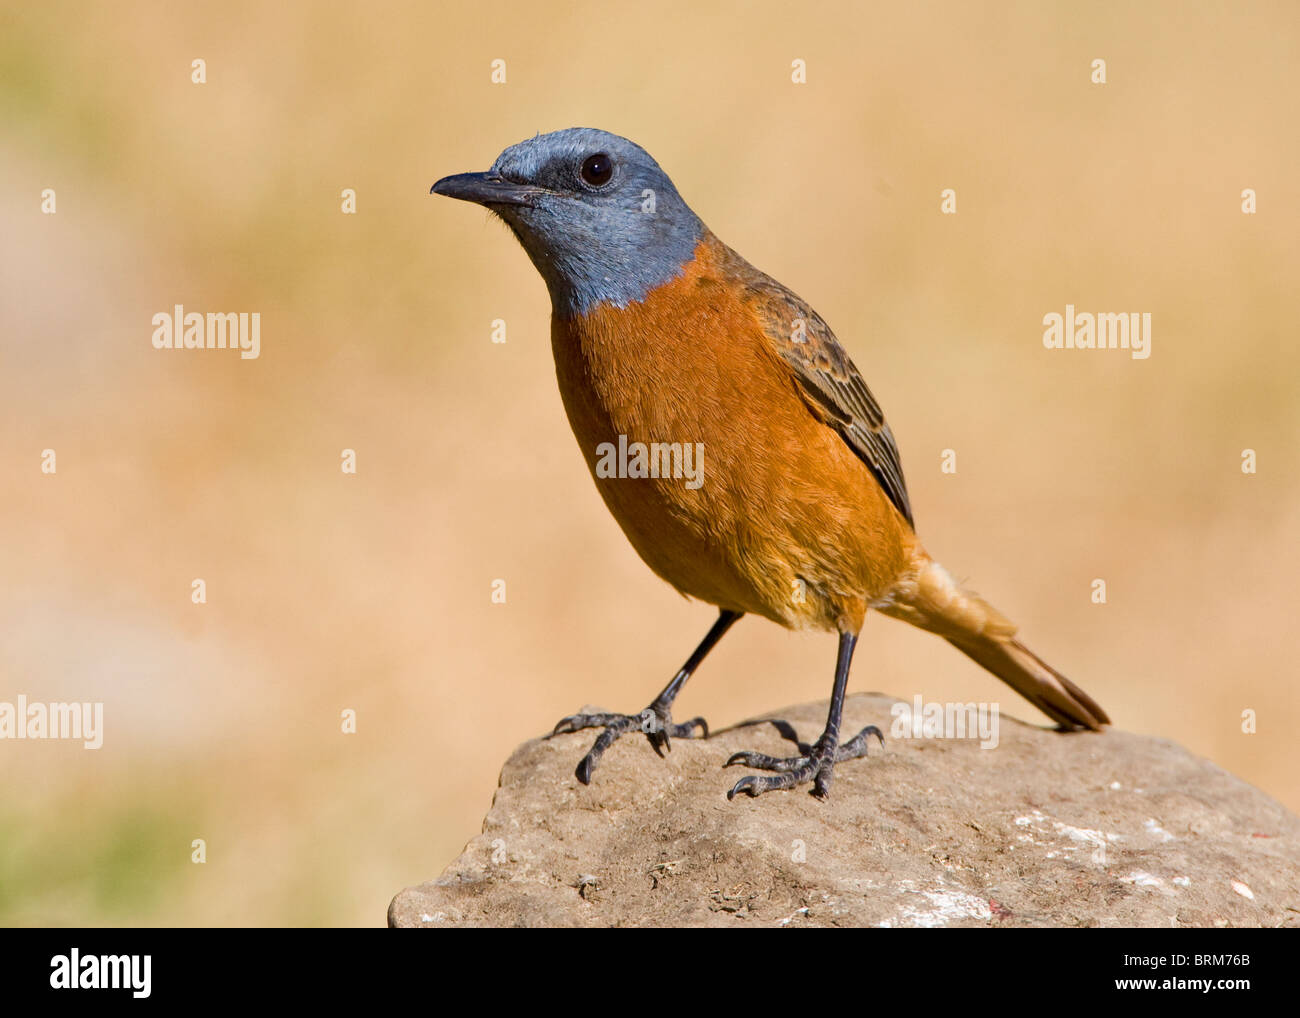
point(485, 189)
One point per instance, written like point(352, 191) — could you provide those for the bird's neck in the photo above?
point(616, 271)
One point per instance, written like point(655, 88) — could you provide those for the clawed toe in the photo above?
point(655, 723)
point(818, 766)
point(577, 722)
point(764, 762)
point(795, 771)
point(857, 746)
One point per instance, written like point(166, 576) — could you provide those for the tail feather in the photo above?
point(932, 600)
point(1035, 680)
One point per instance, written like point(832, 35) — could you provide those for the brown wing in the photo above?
point(827, 377)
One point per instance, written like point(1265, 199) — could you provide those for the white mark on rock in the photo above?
point(944, 906)
point(1243, 890)
point(1140, 878)
point(1083, 835)
point(1156, 831)
point(1183, 881)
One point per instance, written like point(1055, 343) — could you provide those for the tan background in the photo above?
point(372, 592)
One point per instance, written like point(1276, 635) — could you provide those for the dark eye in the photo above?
point(597, 169)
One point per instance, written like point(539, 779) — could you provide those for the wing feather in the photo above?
point(827, 376)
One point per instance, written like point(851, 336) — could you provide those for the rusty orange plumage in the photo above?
point(776, 477)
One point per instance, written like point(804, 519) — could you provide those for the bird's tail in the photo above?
point(931, 599)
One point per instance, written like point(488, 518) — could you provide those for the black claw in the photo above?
point(857, 746)
point(583, 771)
point(745, 784)
point(870, 730)
point(686, 730)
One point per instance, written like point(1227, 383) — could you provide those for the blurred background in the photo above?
point(371, 592)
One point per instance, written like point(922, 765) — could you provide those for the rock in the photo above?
point(1045, 829)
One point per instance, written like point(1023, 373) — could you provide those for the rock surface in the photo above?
point(1045, 829)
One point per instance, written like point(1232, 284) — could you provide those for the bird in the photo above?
point(666, 339)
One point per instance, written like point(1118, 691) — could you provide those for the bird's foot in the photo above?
point(817, 766)
point(655, 723)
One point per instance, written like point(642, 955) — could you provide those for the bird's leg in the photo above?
point(819, 764)
point(656, 721)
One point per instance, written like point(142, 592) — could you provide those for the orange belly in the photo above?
point(782, 519)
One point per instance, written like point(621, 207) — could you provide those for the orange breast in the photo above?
point(783, 520)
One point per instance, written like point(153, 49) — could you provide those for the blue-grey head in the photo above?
point(599, 218)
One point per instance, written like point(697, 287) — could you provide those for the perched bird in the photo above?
point(665, 338)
